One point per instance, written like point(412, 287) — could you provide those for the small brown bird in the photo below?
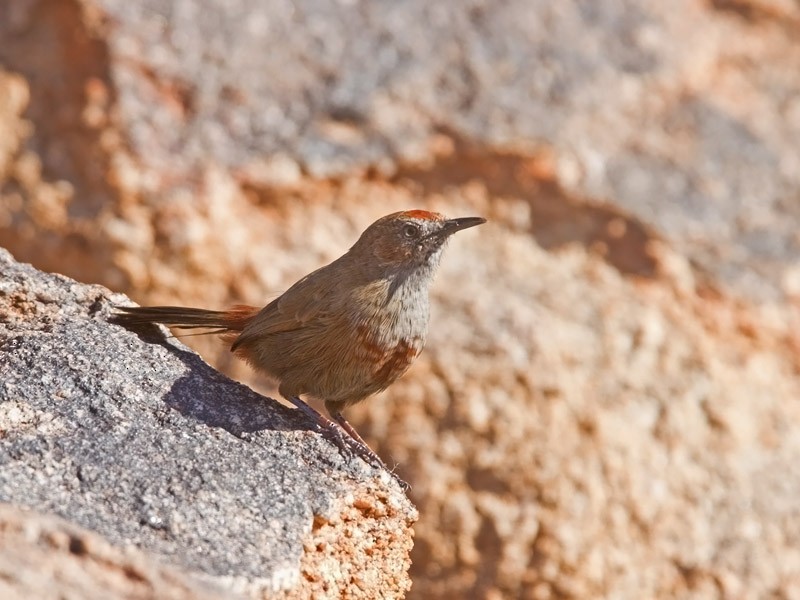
point(343, 332)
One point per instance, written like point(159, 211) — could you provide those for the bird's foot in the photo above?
point(352, 447)
point(350, 444)
point(366, 453)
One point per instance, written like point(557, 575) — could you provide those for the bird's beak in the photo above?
point(452, 225)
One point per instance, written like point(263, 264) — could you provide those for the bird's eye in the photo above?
point(411, 231)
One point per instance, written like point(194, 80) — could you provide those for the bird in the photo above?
point(343, 332)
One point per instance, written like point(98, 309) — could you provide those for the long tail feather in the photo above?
point(186, 318)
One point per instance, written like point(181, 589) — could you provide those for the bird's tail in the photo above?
point(219, 321)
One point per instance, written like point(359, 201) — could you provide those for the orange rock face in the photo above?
point(607, 406)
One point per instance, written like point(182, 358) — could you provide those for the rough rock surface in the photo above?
point(45, 558)
point(607, 406)
point(684, 114)
point(136, 438)
point(574, 433)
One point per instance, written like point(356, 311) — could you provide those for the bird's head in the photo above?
point(410, 239)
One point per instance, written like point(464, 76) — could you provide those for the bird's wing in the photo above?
point(306, 300)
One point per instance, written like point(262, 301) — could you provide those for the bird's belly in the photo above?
point(370, 365)
point(393, 361)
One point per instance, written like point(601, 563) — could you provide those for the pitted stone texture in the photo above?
point(136, 438)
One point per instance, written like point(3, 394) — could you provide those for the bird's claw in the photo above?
point(350, 447)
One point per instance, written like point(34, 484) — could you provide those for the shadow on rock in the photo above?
point(204, 394)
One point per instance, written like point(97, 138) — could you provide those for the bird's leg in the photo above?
point(326, 425)
point(350, 430)
point(352, 442)
point(366, 452)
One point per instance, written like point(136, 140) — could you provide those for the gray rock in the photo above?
point(133, 436)
point(44, 557)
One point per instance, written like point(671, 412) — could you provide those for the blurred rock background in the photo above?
point(609, 404)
